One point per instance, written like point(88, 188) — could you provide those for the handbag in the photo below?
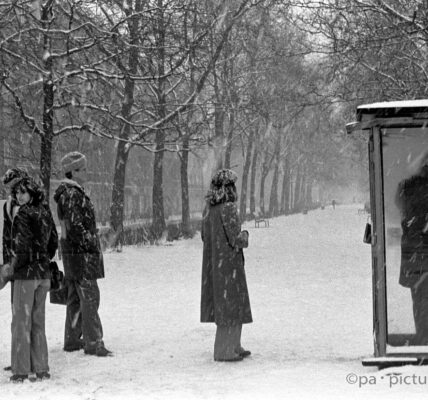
point(57, 276)
point(59, 291)
point(59, 296)
point(368, 234)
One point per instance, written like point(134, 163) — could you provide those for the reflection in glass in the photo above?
point(405, 153)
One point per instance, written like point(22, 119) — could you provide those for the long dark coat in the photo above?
point(80, 243)
point(34, 241)
point(412, 200)
point(224, 298)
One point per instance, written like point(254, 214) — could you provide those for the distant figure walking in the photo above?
point(82, 258)
point(224, 298)
point(333, 204)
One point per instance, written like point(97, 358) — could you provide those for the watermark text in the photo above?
point(391, 380)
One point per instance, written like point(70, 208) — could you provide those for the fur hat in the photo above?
point(224, 177)
point(223, 187)
point(72, 161)
point(12, 176)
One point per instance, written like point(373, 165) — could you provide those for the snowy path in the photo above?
point(309, 279)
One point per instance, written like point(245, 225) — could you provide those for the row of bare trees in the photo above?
point(267, 85)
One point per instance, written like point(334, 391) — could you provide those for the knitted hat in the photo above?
point(12, 176)
point(72, 161)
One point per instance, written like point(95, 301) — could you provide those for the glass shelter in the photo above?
point(398, 167)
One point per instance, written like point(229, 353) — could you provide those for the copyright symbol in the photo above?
point(352, 379)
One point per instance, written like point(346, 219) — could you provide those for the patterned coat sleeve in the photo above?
point(73, 210)
point(53, 237)
point(22, 241)
point(6, 235)
point(232, 226)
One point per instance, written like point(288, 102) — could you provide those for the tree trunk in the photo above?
point(158, 223)
point(273, 201)
point(253, 180)
point(118, 192)
point(296, 205)
point(117, 210)
point(185, 208)
point(48, 101)
point(186, 227)
point(302, 192)
point(229, 142)
point(245, 173)
point(218, 123)
point(262, 191)
point(285, 193)
point(309, 194)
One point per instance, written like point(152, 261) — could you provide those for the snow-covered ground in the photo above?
point(309, 279)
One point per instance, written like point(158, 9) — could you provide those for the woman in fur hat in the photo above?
point(224, 299)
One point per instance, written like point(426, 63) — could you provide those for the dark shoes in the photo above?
point(240, 354)
point(238, 357)
point(74, 347)
point(245, 353)
point(18, 378)
point(8, 368)
point(99, 352)
point(43, 375)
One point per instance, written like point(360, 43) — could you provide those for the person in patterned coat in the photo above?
point(82, 259)
point(224, 294)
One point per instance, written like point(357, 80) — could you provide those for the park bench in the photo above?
point(258, 219)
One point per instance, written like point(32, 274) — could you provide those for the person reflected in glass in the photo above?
point(224, 296)
point(412, 201)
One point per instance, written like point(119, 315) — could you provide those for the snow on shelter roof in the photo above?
point(392, 109)
point(423, 103)
point(391, 113)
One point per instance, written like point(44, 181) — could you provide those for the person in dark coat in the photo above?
point(82, 259)
point(412, 201)
point(224, 295)
point(34, 242)
point(9, 179)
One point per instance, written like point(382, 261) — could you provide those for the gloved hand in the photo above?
point(6, 274)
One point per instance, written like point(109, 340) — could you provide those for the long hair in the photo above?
point(222, 194)
point(28, 184)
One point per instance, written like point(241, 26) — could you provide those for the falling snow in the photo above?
point(309, 279)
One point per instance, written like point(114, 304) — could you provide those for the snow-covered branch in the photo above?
point(29, 121)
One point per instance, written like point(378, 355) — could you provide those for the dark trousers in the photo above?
point(82, 317)
point(29, 345)
point(420, 311)
point(227, 343)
